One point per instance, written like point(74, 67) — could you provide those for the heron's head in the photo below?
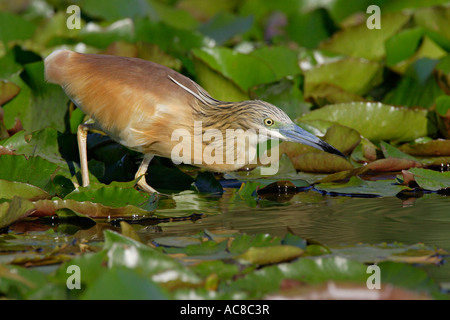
point(264, 116)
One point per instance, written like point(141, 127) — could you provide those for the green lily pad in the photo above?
point(34, 170)
point(356, 76)
point(285, 94)
point(123, 284)
point(342, 138)
point(244, 71)
point(403, 45)
point(377, 121)
point(392, 164)
point(358, 186)
point(14, 27)
point(112, 196)
point(103, 36)
point(12, 211)
point(8, 90)
point(430, 179)
point(36, 99)
point(126, 252)
point(433, 148)
point(114, 10)
point(370, 41)
point(392, 152)
point(271, 254)
point(10, 189)
point(89, 209)
point(435, 21)
point(321, 162)
point(307, 270)
point(223, 26)
point(418, 86)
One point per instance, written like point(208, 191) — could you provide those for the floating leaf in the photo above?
point(111, 196)
point(39, 104)
point(377, 121)
point(34, 170)
point(224, 26)
point(271, 254)
point(321, 162)
point(356, 76)
point(126, 252)
point(358, 186)
point(307, 270)
point(434, 21)
point(9, 189)
point(12, 211)
point(439, 147)
point(370, 41)
point(89, 209)
point(13, 27)
point(123, 284)
point(8, 90)
point(344, 291)
point(418, 87)
point(392, 164)
point(285, 94)
point(243, 70)
point(392, 152)
point(431, 180)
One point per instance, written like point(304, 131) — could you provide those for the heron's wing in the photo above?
point(131, 99)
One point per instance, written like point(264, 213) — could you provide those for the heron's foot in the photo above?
point(144, 186)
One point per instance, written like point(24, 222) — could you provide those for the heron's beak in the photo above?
point(296, 134)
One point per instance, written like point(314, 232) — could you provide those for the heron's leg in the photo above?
point(141, 173)
point(82, 150)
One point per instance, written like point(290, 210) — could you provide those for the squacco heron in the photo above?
point(139, 104)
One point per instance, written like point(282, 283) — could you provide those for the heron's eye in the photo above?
point(268, 122)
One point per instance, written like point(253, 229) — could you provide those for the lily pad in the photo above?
point(12, 211)
point(34, 170)
point(45, 208)
point(36, 99)
point(377, 121)
point(356, 76)
point(8, 90)
point(10, 189)
point(370, 41)
point(271, 254)
point(433, 148)
point(123, 284)
point(112, 196)
point(125, 252)
point(418, 86)
point(392, 164)
point(430, 179)
point(242, 70)
point(358, 186)
point(321, 162)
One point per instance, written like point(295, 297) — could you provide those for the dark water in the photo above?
point(333, 221)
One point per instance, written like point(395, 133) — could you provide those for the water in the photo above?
point(333, 221)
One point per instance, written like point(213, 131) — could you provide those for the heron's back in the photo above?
point(132, 100)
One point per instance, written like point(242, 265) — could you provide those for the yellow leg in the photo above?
point(141, 173)
point(82, 149)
